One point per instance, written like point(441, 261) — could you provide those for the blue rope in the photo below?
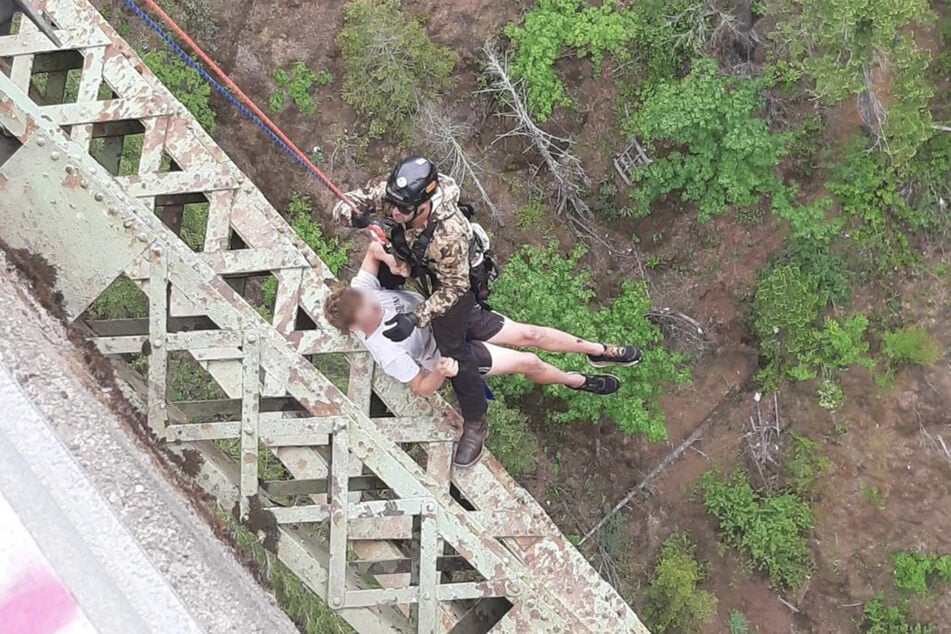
point(221, 90)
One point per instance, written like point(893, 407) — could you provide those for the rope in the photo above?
point(230, 91)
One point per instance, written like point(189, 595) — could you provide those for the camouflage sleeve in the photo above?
point(449, 252)
point(371, 196)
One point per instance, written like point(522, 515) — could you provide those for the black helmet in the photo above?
point(411, 183)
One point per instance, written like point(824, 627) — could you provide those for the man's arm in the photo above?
point(377, 254)
point(426, 385)
point(449, 252)
point(369, 198)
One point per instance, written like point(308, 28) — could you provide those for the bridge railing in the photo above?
point(364, 506)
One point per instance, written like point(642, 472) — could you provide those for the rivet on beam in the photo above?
point(157, 343)
point(70, 169)
point(98, 196)
point(41, 141)
point(54, 156)
point(127, 223)
point(428, 596)
point(157, 250)
point(252, 337)
point(84, 183)
point(336, 602)
point(142, 237)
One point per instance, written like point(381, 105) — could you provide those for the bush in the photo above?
point(836, 43)
point(874, 210)
point(770, 529)
point(805, 464)
point(187, 86)
point(392, 65)
point(510, 438)
point(121, 300)
point(721, 153)
point(554, 25)
point(541, 286)
point(910, 346)
point(881, 618)
point(917, 573)
point(786, 310)
point(297, 86)
point(675, 603)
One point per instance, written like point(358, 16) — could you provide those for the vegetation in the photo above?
point(879, 617)
point(541, 285)
point(917, 573)
point(738, 623)
point(187, 86)
point(305, 609)
point(555, 25)
point(850, 47)
point(297, 86)
point(908, 346)
point(675, 602)
point(770, 529)
point(786, 312)
point(392, 65)
point(332, 251)
point(804, 464)
point(510, 439)
point(717, 151)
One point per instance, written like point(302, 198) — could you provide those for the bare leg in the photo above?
point(505, 361)
point(544, 338)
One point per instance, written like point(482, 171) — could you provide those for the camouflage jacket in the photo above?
point(448, 251)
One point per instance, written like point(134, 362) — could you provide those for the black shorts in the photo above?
point(483, 325)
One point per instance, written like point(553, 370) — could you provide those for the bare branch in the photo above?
point(568, 178)
point(442, 134)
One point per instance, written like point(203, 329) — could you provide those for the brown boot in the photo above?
point(472, 443)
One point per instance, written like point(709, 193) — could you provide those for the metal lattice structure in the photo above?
point(368, 513)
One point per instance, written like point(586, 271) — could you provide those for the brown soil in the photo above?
point(707, 271)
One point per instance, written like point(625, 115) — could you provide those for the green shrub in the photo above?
point(675, 603)
point(880, 618)
point(720, 154)
point(786, 310)
point(837, 43)
point(510, 438)
point(770, 529)
point(392, 65)
point(738, 623)
point(910, 345)
point(297, 86)
point(917, 573)
point(551, 27)
point(804, 464)
point(187, 86)
point(542, 286)
point(121, 300)
point(876, 214)
point(332, 252)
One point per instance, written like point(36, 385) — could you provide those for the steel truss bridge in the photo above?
point(368, 513)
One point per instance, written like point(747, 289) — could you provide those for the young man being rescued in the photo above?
point(365, 307)
point(434, 237)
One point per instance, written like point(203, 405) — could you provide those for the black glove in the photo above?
point(360, 217)
point(402, 326)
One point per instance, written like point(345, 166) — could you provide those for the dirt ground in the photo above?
point(708, 271)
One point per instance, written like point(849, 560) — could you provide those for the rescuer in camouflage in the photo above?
point(433, 236)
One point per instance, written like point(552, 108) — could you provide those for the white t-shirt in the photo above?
point(399, 359)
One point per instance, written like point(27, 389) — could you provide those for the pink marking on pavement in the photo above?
point(37, 603)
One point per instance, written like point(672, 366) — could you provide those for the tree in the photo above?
point(392, 65)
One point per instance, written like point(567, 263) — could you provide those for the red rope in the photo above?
point(239, 94)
